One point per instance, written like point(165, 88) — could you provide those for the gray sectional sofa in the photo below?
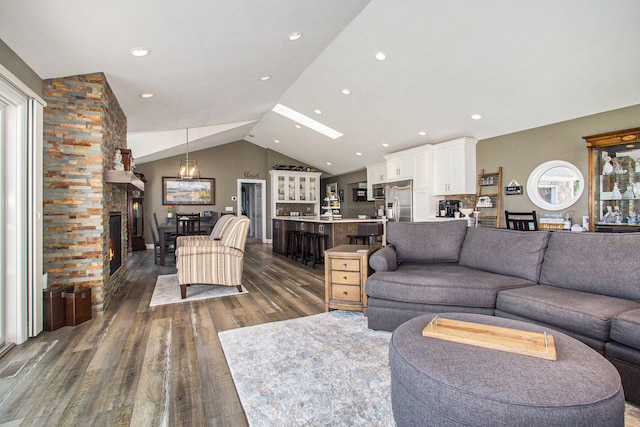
point(586, 285)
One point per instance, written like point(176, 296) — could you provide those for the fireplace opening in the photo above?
point(115, 241)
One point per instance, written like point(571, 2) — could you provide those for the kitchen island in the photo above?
point(337, 230)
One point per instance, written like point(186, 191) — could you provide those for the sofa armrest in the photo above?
point(384, 259)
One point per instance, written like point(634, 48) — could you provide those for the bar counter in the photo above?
point(337, 230)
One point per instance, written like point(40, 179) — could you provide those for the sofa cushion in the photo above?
point(582, 312)
point(514, 253)
point(442, 284)
point(428, 242)
point(601, 263)
point(625, 328)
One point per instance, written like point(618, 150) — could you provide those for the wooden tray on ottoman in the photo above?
point(536, 344)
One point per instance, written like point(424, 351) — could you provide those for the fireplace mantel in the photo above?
point(123, 177)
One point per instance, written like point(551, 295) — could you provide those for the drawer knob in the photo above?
point(344, 264)
point(344, 277)
point(344, 293)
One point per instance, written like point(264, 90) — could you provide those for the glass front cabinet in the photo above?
point(614, 181)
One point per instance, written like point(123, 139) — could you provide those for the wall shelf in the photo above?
point(123, 178)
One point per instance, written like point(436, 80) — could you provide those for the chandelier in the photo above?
point(188, 168)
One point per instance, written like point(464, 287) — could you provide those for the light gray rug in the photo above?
point(167, 291)
point(327, 369)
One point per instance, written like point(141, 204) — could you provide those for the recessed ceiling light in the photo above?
point(294, 36)
point(139, 51)
point(346, 91)
point(306, 121)
point(298, 126)
point(146, 95)
point(317, 111)
point(277, 141)
point(476, 116)
point(265, 78)
point(358, 153)
point(329, 163)
point(385, 144)
point(251, 135)
point(380, 56)
point(422, 133)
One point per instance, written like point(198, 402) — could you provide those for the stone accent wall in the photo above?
point(83, 125)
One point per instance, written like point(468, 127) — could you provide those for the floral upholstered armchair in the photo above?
point(214, 262)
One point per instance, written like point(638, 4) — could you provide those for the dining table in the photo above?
point(167, 228)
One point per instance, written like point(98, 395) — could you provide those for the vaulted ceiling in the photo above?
point(517, 64)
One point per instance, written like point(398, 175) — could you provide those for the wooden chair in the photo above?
point(155, 233)
point(523, 221)
point(188, 224)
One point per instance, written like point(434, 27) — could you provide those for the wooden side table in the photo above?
point(346, 268)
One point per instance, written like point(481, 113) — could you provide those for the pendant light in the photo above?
point(188, 168)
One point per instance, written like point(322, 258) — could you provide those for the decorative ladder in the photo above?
point(486, 183)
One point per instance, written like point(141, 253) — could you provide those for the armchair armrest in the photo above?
point(384, 259)
point(212, 248)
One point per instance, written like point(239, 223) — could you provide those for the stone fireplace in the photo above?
point(83, 125)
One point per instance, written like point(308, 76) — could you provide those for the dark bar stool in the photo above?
point(293, 243)
point(368, 233)
point(315, 245)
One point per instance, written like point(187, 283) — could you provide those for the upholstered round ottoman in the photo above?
point(436, 382)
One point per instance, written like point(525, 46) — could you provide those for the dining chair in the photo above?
point(523, 221)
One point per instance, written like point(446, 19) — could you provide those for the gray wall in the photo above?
point(19, 68)
point(521, 152)
point(226, 163)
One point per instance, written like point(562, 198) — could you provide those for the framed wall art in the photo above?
point(188, 192)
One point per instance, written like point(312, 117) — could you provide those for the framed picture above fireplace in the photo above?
point(188, 192)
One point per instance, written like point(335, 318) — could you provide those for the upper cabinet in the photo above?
point(376, 174)
point(454, 167)
point(294, 187)
point(400, 166)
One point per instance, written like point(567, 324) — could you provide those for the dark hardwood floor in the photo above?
point(160, 366)
point(144, 366)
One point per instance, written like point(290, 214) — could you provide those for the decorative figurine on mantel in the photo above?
point(117, 160)
point(132, 164)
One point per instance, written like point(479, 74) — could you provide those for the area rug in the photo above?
point(326, 369)
point(167, 291)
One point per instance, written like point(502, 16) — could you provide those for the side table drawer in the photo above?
point(345, 264)
point(345, 277)
point(345, 293)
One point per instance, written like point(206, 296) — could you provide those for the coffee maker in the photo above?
point(447, 208)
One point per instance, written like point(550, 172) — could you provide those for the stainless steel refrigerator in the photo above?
point(399, 200)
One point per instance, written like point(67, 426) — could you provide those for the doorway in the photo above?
point(252, 203)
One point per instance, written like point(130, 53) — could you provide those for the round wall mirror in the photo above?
point(555, 185)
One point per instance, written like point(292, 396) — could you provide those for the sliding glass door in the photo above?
point(3, 107)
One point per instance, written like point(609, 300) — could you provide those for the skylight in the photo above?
point(306, 121)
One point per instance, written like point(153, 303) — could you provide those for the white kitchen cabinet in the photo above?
point(454, 167)
point(423, 205)
point(295, 187)
point(400, 166)
point(376, 174)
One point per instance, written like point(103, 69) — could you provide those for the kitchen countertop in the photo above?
point(318, 219)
